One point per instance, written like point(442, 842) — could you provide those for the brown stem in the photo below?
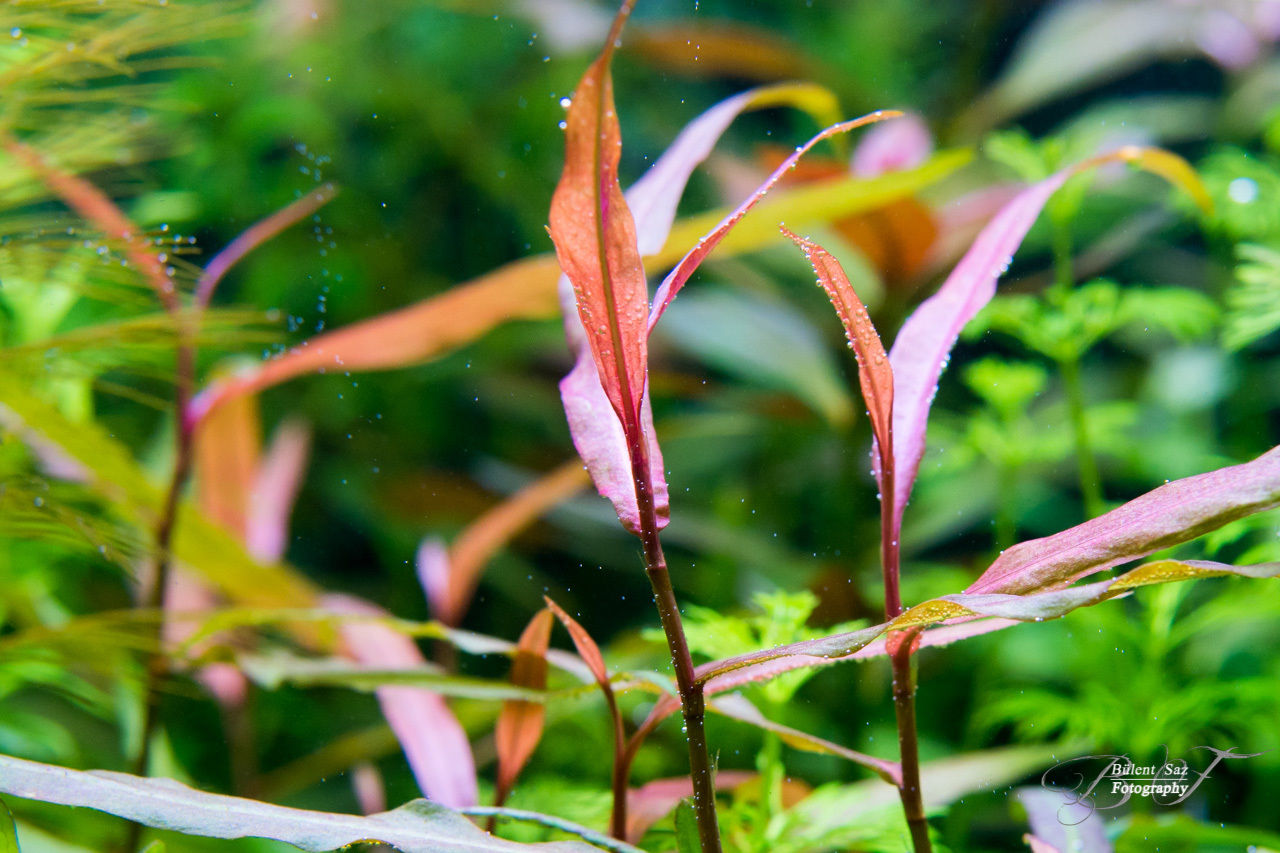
point(900, 646)
point(621, 770)
point(692, 701)
point(904, 705)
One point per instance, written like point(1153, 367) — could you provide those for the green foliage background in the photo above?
point(438, 121)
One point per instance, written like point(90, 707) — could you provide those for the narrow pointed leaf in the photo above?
point(91, 203)
point(923, 346)
point(434, 742)
point(8, 831)
point(226, 459)
point(875, 375)
point(481, 539)
point(274, 489)
point(595, 238)
point(587, 648)
point(417, 827)
point(520, 723)
point(1060, 825)
point(1173, 513)
point(526, 289)
point(677, 277)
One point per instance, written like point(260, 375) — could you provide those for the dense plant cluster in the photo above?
point(301, 540)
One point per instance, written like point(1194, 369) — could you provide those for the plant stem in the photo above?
point(905, 709)
point(692, 701)
point(621, 770)
point(1086, 462)
point(151, 596)
point(904, 694)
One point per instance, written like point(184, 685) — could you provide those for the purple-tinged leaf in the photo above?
point(417, 827)
point(433, 740)
point(366, 784)
point(654, 198)
point(600, 441)
point(595, 238)
point(897, 145)
point(875, 374)
point(923, 346)
point(432, 564)
point(1173, 513)
point(275, 488)
point(1061, 823)
point(655, 800)
point(677, 277)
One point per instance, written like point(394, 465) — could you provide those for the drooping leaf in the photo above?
point(1168, 515)
point(434, 741)
point(923, 346)
point(520, 722)
point(482, 538)
point(894, 146)
point(417, 827)
point(875, 375)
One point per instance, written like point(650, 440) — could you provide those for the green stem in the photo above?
point(1086, 461)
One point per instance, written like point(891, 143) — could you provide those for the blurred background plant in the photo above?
point(1129, 346)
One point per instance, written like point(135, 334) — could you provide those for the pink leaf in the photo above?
point(600, 441)
point(432, 563)
point(655, 800)
point(1173, 513)
point(275, 488)
point(433, 740)
point(895, 146)
point(520, 722)
point(923, 346)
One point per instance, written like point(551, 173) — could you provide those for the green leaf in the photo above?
point(1253, 298)
point(417, 827)
point(687, 840)
point(8, 831)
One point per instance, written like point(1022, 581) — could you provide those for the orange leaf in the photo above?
point(874, 373)
point(476, 545)
point(525, 289)
point(91, 203)
point(595, 238)
point(587, 648)
point(227, 459)
point(520, 722)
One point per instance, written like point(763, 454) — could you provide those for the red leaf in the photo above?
point(587, 648)
point(595, 239)
point(875, 375)
point(677, 277)
point(520, 722)
point(655, 800)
